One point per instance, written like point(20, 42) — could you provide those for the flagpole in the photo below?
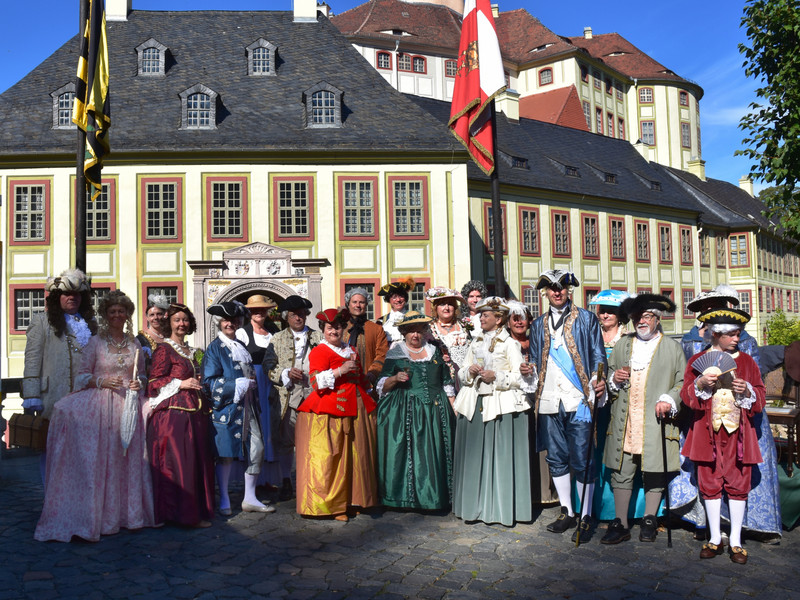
point(80, 177)
point(499, 278)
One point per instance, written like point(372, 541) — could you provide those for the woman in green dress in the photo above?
point(415, 422)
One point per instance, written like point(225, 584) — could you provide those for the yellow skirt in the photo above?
point(336, 462)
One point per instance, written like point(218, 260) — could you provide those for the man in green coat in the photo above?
point(646, 375)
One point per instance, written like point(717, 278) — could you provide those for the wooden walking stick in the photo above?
point(666, 479)
point(601, 373)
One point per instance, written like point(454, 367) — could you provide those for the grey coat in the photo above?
point(51, 363)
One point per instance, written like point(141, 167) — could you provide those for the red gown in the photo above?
point(179, 444)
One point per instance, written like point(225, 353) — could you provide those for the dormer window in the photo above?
point(63, 99)
point(323, 104)
point(152, 58)
point(199, 108)
point(261, 56)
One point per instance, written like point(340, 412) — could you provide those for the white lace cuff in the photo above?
point(612, 385)
point(673, 408)
point(379, 386)
point(529, 383)
point(450, 391)
point(703, 394)
point(168, 391)
point(287, 383)
point(746, 402)
point(242, 385)
point(326, 379)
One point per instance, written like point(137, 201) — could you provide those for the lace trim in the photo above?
point(166, 392)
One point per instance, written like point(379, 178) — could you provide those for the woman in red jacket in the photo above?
point(335, 434)
point(722, 441)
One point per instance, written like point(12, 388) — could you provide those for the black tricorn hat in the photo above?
point(294, 302)
point(227, 310)
point(725, 316)
point(557, 279)
point(636, 305)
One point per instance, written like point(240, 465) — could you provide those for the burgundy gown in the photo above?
point(179, 443)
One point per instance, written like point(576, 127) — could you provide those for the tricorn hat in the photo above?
point(655, 303)
point(725, 316)
point(294, 302)
point(228, 310)
point(329, 315)
point(557, 279)
point(71, 280)
point(396, 287)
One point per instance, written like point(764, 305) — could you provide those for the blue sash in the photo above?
point(563, 361)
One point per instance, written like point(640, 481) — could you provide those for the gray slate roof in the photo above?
point(261, 114)
point(550, 148)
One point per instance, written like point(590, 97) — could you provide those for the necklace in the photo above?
point(118, 345)
point(447, 327)
point(420, 351)
point(185, 350)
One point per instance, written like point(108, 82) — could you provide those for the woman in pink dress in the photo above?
point(94, 485)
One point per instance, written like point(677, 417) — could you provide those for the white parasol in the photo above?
point(130, 412)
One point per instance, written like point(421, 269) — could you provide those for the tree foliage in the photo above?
point(782, 330)
point(772, 57)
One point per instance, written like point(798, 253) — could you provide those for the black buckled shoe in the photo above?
point(586, 528)
point(616, 533)
point(563, 522)
point(648, 530)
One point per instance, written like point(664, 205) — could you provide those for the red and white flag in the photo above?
point(479, 78)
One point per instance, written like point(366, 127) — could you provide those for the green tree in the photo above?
point(781, 330)
point(772, 57)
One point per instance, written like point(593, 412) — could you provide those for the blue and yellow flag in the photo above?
point(91, 111)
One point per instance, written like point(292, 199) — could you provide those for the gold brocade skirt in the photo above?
point(336, 462)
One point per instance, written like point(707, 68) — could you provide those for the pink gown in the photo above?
point(91, 488)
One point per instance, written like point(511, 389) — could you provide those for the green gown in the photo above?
point(415, 433)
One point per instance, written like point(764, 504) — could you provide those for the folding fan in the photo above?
point(719, 360)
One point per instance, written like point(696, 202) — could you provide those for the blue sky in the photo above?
point(695, 39)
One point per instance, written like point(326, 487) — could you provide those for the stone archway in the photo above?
point(250, 269)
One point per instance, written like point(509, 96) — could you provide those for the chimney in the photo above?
point(697, 166)
point(495, 10)
point(118, 10)
point(587, 33)
point(305, 11)
point(642, 149)
point(508, 104)
point(324, 9)
point(747, 185)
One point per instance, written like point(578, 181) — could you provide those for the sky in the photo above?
point(698, 40)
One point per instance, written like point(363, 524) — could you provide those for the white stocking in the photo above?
point(250, 490)
point(736, 508)
point(564, 491)
point(586, 508)
point(713, 508)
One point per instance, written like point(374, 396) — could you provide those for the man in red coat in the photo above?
point(722, 440)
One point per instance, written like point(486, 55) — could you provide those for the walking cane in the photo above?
point(600, 377)
point(666, 480)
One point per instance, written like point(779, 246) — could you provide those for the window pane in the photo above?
point(323, 107)
point(65, 101)
point(407, 206)
point(162, 208)
point(26, 304)
point(198, 112)
point(29, 217)
point(261, 60)
point(98, 216)
point(293, 208)
point(530, 231)
point(226, 209)
point(358, 208)
point(151, 60)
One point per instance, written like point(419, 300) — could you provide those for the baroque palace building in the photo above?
point(250, 165)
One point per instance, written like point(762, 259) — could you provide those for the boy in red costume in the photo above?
point(722, 440)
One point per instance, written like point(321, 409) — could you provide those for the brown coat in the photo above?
point(371, 348)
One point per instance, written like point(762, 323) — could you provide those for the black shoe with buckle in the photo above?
point(586, 527)
point(616, 533)
point(648, 530)
point(563, 522)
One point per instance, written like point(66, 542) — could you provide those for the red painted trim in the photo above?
point(377, 63)
point(535, 210)
point(504, 211)
point(652, 95)
point(586, 292)
point(611, 220)
point(12, 185)
point(146, 285)
point(641, 129)
point(596, 217)
point(689, 132)
point(687, 314)
point(411, 64)
point(681, 229)
point(112, 211)
point(210, 180)
point(682, 94)
point(598, 120)
point(746, 247)
point(425, 204)
point(671, 259)
point(610, 124)
point(178, 181)
point(637, 222)
point(340, 181)
point(553, 214)
point(671, 290)
point(536, 294)
point(311, 204)
point(12, 304)
point(621, 128)
point(541, 71)
point(455, 62)
point(375, 282)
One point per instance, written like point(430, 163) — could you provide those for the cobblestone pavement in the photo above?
point(386, 555)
